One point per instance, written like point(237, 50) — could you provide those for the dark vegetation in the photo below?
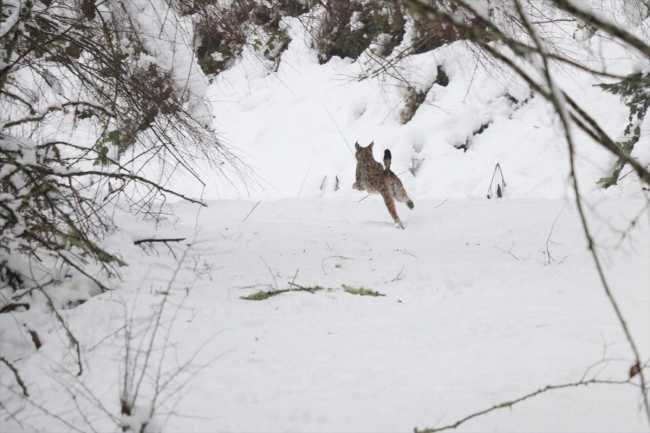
point(347, 28)
point(224, 30)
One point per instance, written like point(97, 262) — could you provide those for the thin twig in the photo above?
point(249, 213)
point(339, 129)
point(305, 179)
point(293, 280)
point(44, 410)
point(322, 263)
point(507, 252)
point(105, 338)
point(275, 282)
point(441, 204)
point(152, 240)
point(16, 375)
point(405, 251)
point(71, 337)
point(548, 252)
point(510, 403)
point(399, 276)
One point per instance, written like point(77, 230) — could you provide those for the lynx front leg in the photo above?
point(390, 204)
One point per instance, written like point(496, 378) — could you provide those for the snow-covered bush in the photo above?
point(45, 210)
point(92, 97)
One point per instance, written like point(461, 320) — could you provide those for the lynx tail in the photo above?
point(387, 158)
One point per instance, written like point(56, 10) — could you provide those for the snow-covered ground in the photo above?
point(473, 314)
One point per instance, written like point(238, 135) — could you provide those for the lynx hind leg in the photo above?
point(390, 204)
point(400, 193)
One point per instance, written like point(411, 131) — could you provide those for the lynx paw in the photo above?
point(399, 226)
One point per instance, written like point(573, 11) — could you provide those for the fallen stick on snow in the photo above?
point(142, 241)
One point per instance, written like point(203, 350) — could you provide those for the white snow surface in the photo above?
point(473, 315)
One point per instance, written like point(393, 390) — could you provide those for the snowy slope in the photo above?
point(299, 125)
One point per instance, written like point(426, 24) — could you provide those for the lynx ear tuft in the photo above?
point(387, 154)
point(356, 146)
point(372, 143)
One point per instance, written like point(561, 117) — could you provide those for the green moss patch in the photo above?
point(361, 291)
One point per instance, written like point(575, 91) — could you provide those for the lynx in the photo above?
point(374, 178)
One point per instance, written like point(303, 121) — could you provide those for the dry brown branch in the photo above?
point(16, 375)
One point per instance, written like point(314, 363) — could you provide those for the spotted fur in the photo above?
point(375, 179)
